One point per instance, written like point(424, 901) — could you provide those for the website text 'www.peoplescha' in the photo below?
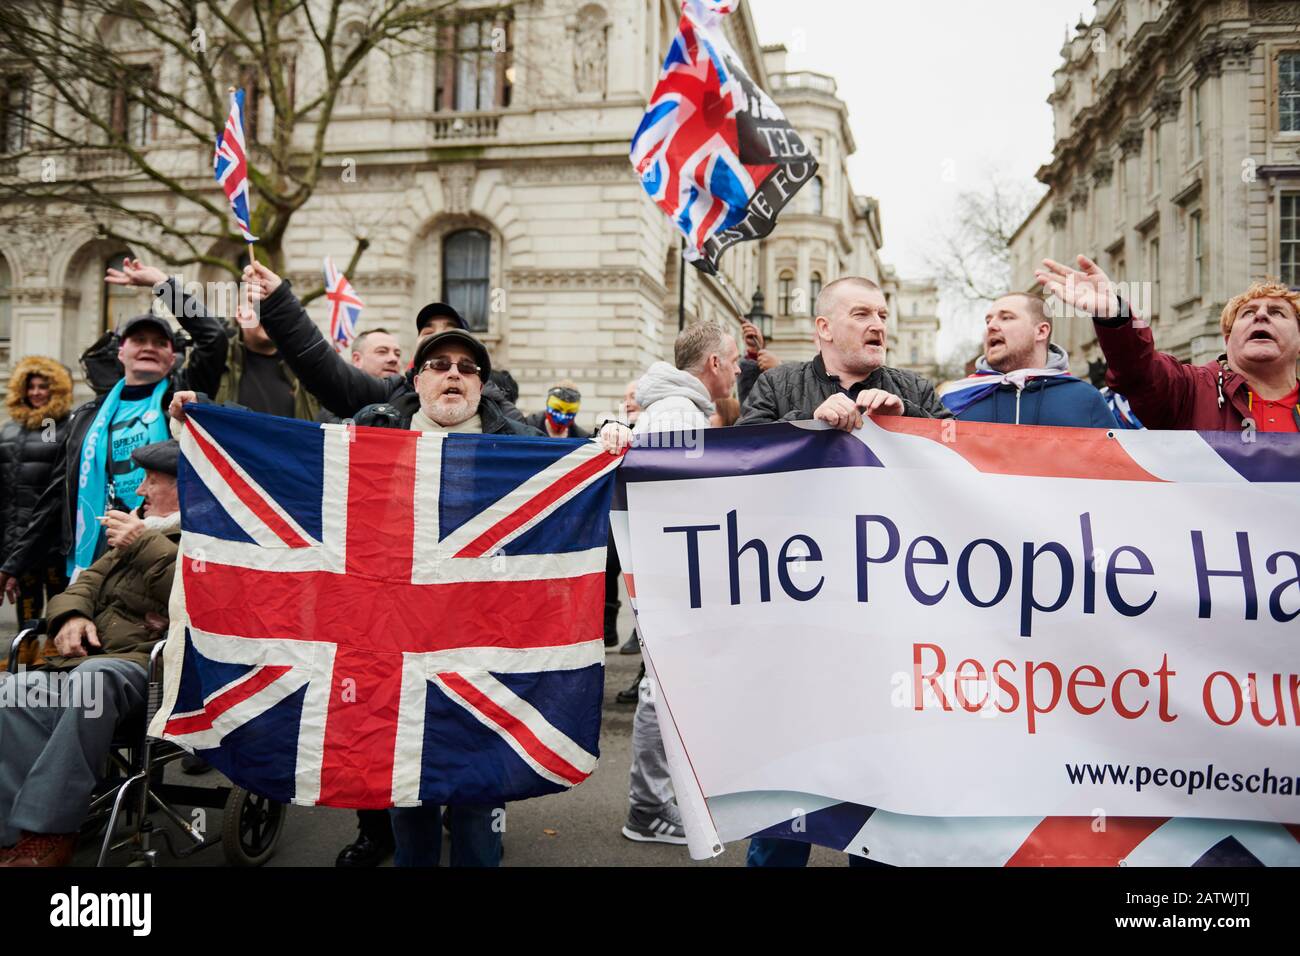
point(1192, 781)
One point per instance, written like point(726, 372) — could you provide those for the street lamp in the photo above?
point(761, 319)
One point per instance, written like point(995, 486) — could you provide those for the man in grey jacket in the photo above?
point(848, 377)
point(674, 398)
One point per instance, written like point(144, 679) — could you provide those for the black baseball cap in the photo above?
point(439, 310)
point(161, 456)
point(476, 348)
point(135, 322)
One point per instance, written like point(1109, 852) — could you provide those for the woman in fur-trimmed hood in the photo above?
point(38, 402)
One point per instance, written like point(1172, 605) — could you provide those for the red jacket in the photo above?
point(1166, 393)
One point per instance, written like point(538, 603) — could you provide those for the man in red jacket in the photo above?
point(1252, 386)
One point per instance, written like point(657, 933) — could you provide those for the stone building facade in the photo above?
point(498, 179)
point(1177, 161)
point(913, 340)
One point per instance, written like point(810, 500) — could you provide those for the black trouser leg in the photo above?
point(375, 825)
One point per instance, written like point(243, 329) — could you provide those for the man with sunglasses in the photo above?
point(444, 393)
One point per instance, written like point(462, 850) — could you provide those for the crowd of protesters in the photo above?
point(88, 495)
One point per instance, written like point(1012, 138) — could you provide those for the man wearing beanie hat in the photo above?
point(557, 420)
point(444, 390)
point(103, 628)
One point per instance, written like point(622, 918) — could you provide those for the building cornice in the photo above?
point(576, 279)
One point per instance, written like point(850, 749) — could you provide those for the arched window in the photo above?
point(785, 292)
point(120, 301)
point(816, 186)
point(466, 258)
point(814, 290)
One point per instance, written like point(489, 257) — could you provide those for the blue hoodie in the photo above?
point(1051, 400)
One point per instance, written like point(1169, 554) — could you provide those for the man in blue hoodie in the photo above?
point(1023, 379)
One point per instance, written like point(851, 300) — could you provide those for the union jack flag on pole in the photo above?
point(230, 164)
point(713, 151)
point(365, 617)
point(345, 306)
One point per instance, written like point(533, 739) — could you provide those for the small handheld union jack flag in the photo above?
point(345, 306)
point(230, 164)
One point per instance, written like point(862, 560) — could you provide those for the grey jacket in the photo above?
point(792, 392)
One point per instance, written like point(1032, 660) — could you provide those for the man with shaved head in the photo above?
point(848, 377)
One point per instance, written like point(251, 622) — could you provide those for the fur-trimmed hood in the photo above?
point(60, 402)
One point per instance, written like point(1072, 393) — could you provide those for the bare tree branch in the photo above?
point(87, 81)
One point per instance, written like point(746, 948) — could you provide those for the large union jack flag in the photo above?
point(230, 164)
point(345, 306)
point(366, 617)
point(713, 151)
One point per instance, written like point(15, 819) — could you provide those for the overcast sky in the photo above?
point(939, 92)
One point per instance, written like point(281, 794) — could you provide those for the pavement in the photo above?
point(581, 827)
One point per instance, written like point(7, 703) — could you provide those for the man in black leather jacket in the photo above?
point(848, 377)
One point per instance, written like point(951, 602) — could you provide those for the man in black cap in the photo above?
point(438, 317)
point(94, 471)
point(104, 626)
point(398, 400)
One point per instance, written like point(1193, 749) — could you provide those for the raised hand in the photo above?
point(177, 408)
point(260, 281)
point(135, 272)
point(1087, 288)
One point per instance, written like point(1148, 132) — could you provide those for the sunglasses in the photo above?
point(444, 364)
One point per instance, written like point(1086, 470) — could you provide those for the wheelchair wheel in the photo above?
point(250, 828)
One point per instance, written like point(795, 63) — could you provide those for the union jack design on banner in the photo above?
point(345, 306)
point(907, 839)
point(230, 164)
point(366, 617)
point(713, 151)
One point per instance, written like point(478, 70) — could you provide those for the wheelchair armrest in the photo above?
point(30, 631)
point(155, 681)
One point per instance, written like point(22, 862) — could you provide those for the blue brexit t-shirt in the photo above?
point(128, 431)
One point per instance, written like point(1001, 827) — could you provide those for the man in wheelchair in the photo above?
point(57, 722)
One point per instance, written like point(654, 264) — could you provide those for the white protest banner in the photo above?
point(945, 620)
